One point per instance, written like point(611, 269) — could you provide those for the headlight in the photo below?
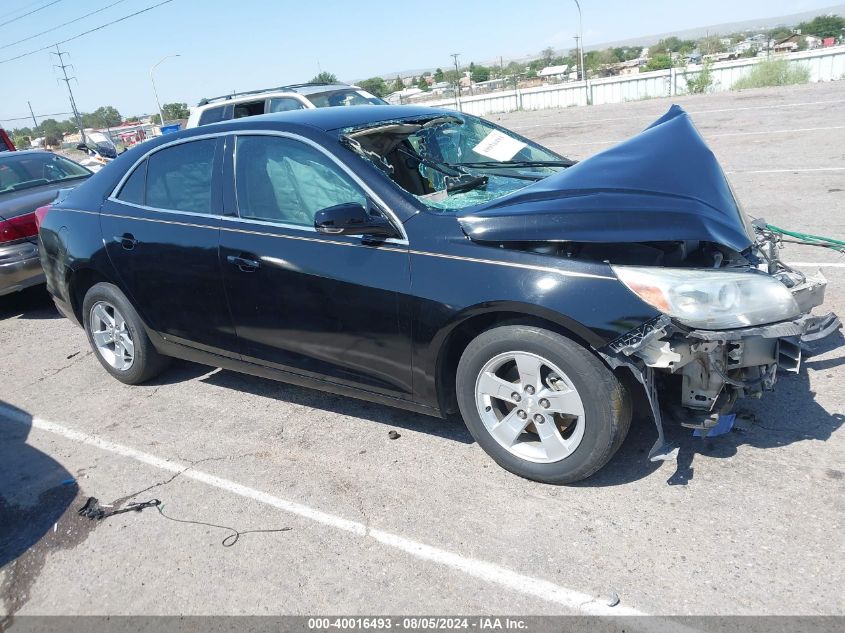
point(711, 299)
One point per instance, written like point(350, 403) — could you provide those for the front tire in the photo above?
point(117, 336)
point(540, 405)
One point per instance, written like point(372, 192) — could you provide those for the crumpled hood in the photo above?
point(664, 184)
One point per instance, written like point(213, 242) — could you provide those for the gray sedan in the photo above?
point(28, 180)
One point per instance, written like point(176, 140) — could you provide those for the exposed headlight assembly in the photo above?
point(711, 299)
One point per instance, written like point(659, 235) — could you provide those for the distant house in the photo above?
point(793, 43)
point(491, 84)
point(554, 72)
point(829, 41)
point(630, 67)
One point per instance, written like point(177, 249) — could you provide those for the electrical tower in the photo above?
point(63, 67)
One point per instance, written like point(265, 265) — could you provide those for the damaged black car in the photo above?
point(434, 261)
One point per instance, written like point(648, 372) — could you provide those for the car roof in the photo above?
point(328, 119)
point(250, 95)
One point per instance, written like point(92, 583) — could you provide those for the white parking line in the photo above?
point(724, 134)
point(483, 570)
point(783, 171)
point(654, 116)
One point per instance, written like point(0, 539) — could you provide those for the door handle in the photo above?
point(127, 241)
point(244, 263)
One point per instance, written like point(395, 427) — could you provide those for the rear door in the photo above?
point(161, 231)
point(321, 306)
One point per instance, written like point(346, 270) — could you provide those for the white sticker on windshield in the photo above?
point(498, 146)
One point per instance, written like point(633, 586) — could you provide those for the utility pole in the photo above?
point(35, 129)
point(580, 74)
point(63, 67)
point(457, 81)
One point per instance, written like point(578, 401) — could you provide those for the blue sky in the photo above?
point(246, 44)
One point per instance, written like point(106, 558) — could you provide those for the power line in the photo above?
point(76, 37)
point(23, 7)
point(87, 15)
point(49, 4)
point(29, 116)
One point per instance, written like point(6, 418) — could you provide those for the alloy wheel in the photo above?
point(530, 407)
point(111, 335)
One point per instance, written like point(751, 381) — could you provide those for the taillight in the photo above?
point(40, 214)
point(18, 228)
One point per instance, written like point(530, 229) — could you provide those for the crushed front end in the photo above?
point(694, 374)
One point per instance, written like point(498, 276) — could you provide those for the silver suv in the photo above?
point(294, 97)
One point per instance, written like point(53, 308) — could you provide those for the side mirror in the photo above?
point(352, 219)
point(82, 146)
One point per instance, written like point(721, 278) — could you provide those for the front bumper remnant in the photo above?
point(706, 371)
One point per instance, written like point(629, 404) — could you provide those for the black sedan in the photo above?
point(434, 261)
point(28, 180)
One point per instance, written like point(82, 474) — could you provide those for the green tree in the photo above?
point(438, 75)
point(324, 77)
point(659, 62)
point(174, 111)
point(547, 55)
point(51, 128)
point(479, 73)
point(398, 84)
point(824, 26)
point(21, 141)
point(710, 45)
point(375, 85)
point(671, 45)
point(108, 116)
point(422, 84)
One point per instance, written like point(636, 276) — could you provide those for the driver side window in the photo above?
point(286, 181)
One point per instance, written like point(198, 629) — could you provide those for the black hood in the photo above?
point(664, 184)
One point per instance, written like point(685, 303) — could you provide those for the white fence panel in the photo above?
point(827, 64)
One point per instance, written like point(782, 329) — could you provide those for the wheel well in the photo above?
point(80, 284)
point(463, 334)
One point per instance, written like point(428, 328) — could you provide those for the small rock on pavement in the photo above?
point(393, 435)
point(612, 599)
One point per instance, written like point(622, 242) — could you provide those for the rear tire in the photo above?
point(117, 336)
point(512, 375)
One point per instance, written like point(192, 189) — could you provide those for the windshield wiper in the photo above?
point(517, 163)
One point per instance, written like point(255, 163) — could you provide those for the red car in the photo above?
point(6, 144)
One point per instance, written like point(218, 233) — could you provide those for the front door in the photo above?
point(161, 232)
point(317, 305)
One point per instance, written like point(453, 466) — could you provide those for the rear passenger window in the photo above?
point(212, 115)
point(249, 108)
point(132, 190)
point(284, 104)
point(179, 177)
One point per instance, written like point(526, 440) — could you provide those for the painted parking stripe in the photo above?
point(655, 115)
point(483, 570)
point(724, 134)
point(784, 171)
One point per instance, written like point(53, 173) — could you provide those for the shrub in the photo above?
point(702, 82)
point(775, 72)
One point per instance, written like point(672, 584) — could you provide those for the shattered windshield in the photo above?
point(450, 162)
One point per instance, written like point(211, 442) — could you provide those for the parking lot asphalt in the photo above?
point(747, 523)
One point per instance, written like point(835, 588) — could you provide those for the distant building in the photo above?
point(554, 72)
point(793, 43)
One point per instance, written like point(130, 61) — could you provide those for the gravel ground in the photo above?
point(747, 523)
